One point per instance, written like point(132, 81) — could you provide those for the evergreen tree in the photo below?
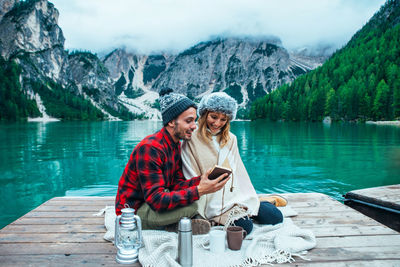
point(396, 100)
point(331, 104)
point(359, 81)
point(381, 102)
point(14, 103)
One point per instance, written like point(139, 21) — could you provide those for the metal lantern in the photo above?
point(128, 236)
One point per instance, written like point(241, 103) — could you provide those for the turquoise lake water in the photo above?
point(39, 161)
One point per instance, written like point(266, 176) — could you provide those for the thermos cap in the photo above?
point(185, 224)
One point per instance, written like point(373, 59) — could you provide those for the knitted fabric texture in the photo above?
point(234, 214)
point(173, 104)
point(267, 244)
point(109, 222)
point(219, 102)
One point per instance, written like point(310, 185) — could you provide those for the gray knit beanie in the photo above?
point(173, 104)
point(219, 102)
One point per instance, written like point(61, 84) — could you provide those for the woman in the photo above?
point(213, 144)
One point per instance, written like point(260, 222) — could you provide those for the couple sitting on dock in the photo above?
point(164, 180)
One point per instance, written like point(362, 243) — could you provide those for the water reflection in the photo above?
point(310, 157)
point(39, 161)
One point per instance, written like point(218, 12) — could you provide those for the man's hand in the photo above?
point(207, 186)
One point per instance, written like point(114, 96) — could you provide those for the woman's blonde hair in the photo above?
point(223, 135)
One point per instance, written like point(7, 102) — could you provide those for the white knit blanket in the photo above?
point(266, 244)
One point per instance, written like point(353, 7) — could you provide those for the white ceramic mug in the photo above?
point(216, 242)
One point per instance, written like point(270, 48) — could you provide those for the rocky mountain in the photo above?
point(244, 68)
point(133, 77)
point(29, 34)
point(5, 6)
point(124, 81)
point(31, 37)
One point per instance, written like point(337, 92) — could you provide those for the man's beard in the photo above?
point(179, 134)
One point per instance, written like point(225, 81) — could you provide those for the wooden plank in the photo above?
point(108, 248)
point(79, 203)
point(63, 220)
point(385, 196)
point(307, 207)
point(348, 214)
point(63, 260)
point(67, 207)
point(387, 202)
point(351, 218)
point(317, 256)
point(304, 197)
point(77, 214)
point(389, 218)
point(299, 199)
point(87, 225)
point(81, 200)
point(51, 214)
point(65, 228)
point(322, 208)
point(360, 241)
point(314, 203)
point(380, 190)
point(83, 225)
point(318, 230)
point(91, 198)
point(343, 263)
point(51, 237)
point(79, 237)
point(326, 231)
point(379, 203)
point(57, 248)
point(353, 254)
point(311, 208)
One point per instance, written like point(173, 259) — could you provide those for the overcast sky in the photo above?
point(151, 26)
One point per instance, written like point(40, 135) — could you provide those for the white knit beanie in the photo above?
point(218, 102)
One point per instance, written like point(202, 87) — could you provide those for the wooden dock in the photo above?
point(380, 203)
point(64, 232)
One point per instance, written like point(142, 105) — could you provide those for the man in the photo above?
point(153, 183)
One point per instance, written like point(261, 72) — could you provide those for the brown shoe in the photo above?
point(200, 226)
point(276, 200)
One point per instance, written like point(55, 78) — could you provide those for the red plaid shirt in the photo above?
point(154, 175)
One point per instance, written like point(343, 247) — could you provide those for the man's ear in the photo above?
point(171, 123)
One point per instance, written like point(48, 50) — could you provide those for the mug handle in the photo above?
point(244, 232)
point(205, 243)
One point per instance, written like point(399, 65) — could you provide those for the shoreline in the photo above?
point(397, 123)
point(325, 121)
point(42, 119)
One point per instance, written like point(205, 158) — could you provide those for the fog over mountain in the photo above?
point(173, 26)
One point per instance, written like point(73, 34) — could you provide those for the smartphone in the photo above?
point(218, 171)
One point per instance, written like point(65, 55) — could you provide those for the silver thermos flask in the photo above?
point(185, 242)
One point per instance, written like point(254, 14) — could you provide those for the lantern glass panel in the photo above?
point(129, 238)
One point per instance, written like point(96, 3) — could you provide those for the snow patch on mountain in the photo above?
point(45, 117)
point(142, 105)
